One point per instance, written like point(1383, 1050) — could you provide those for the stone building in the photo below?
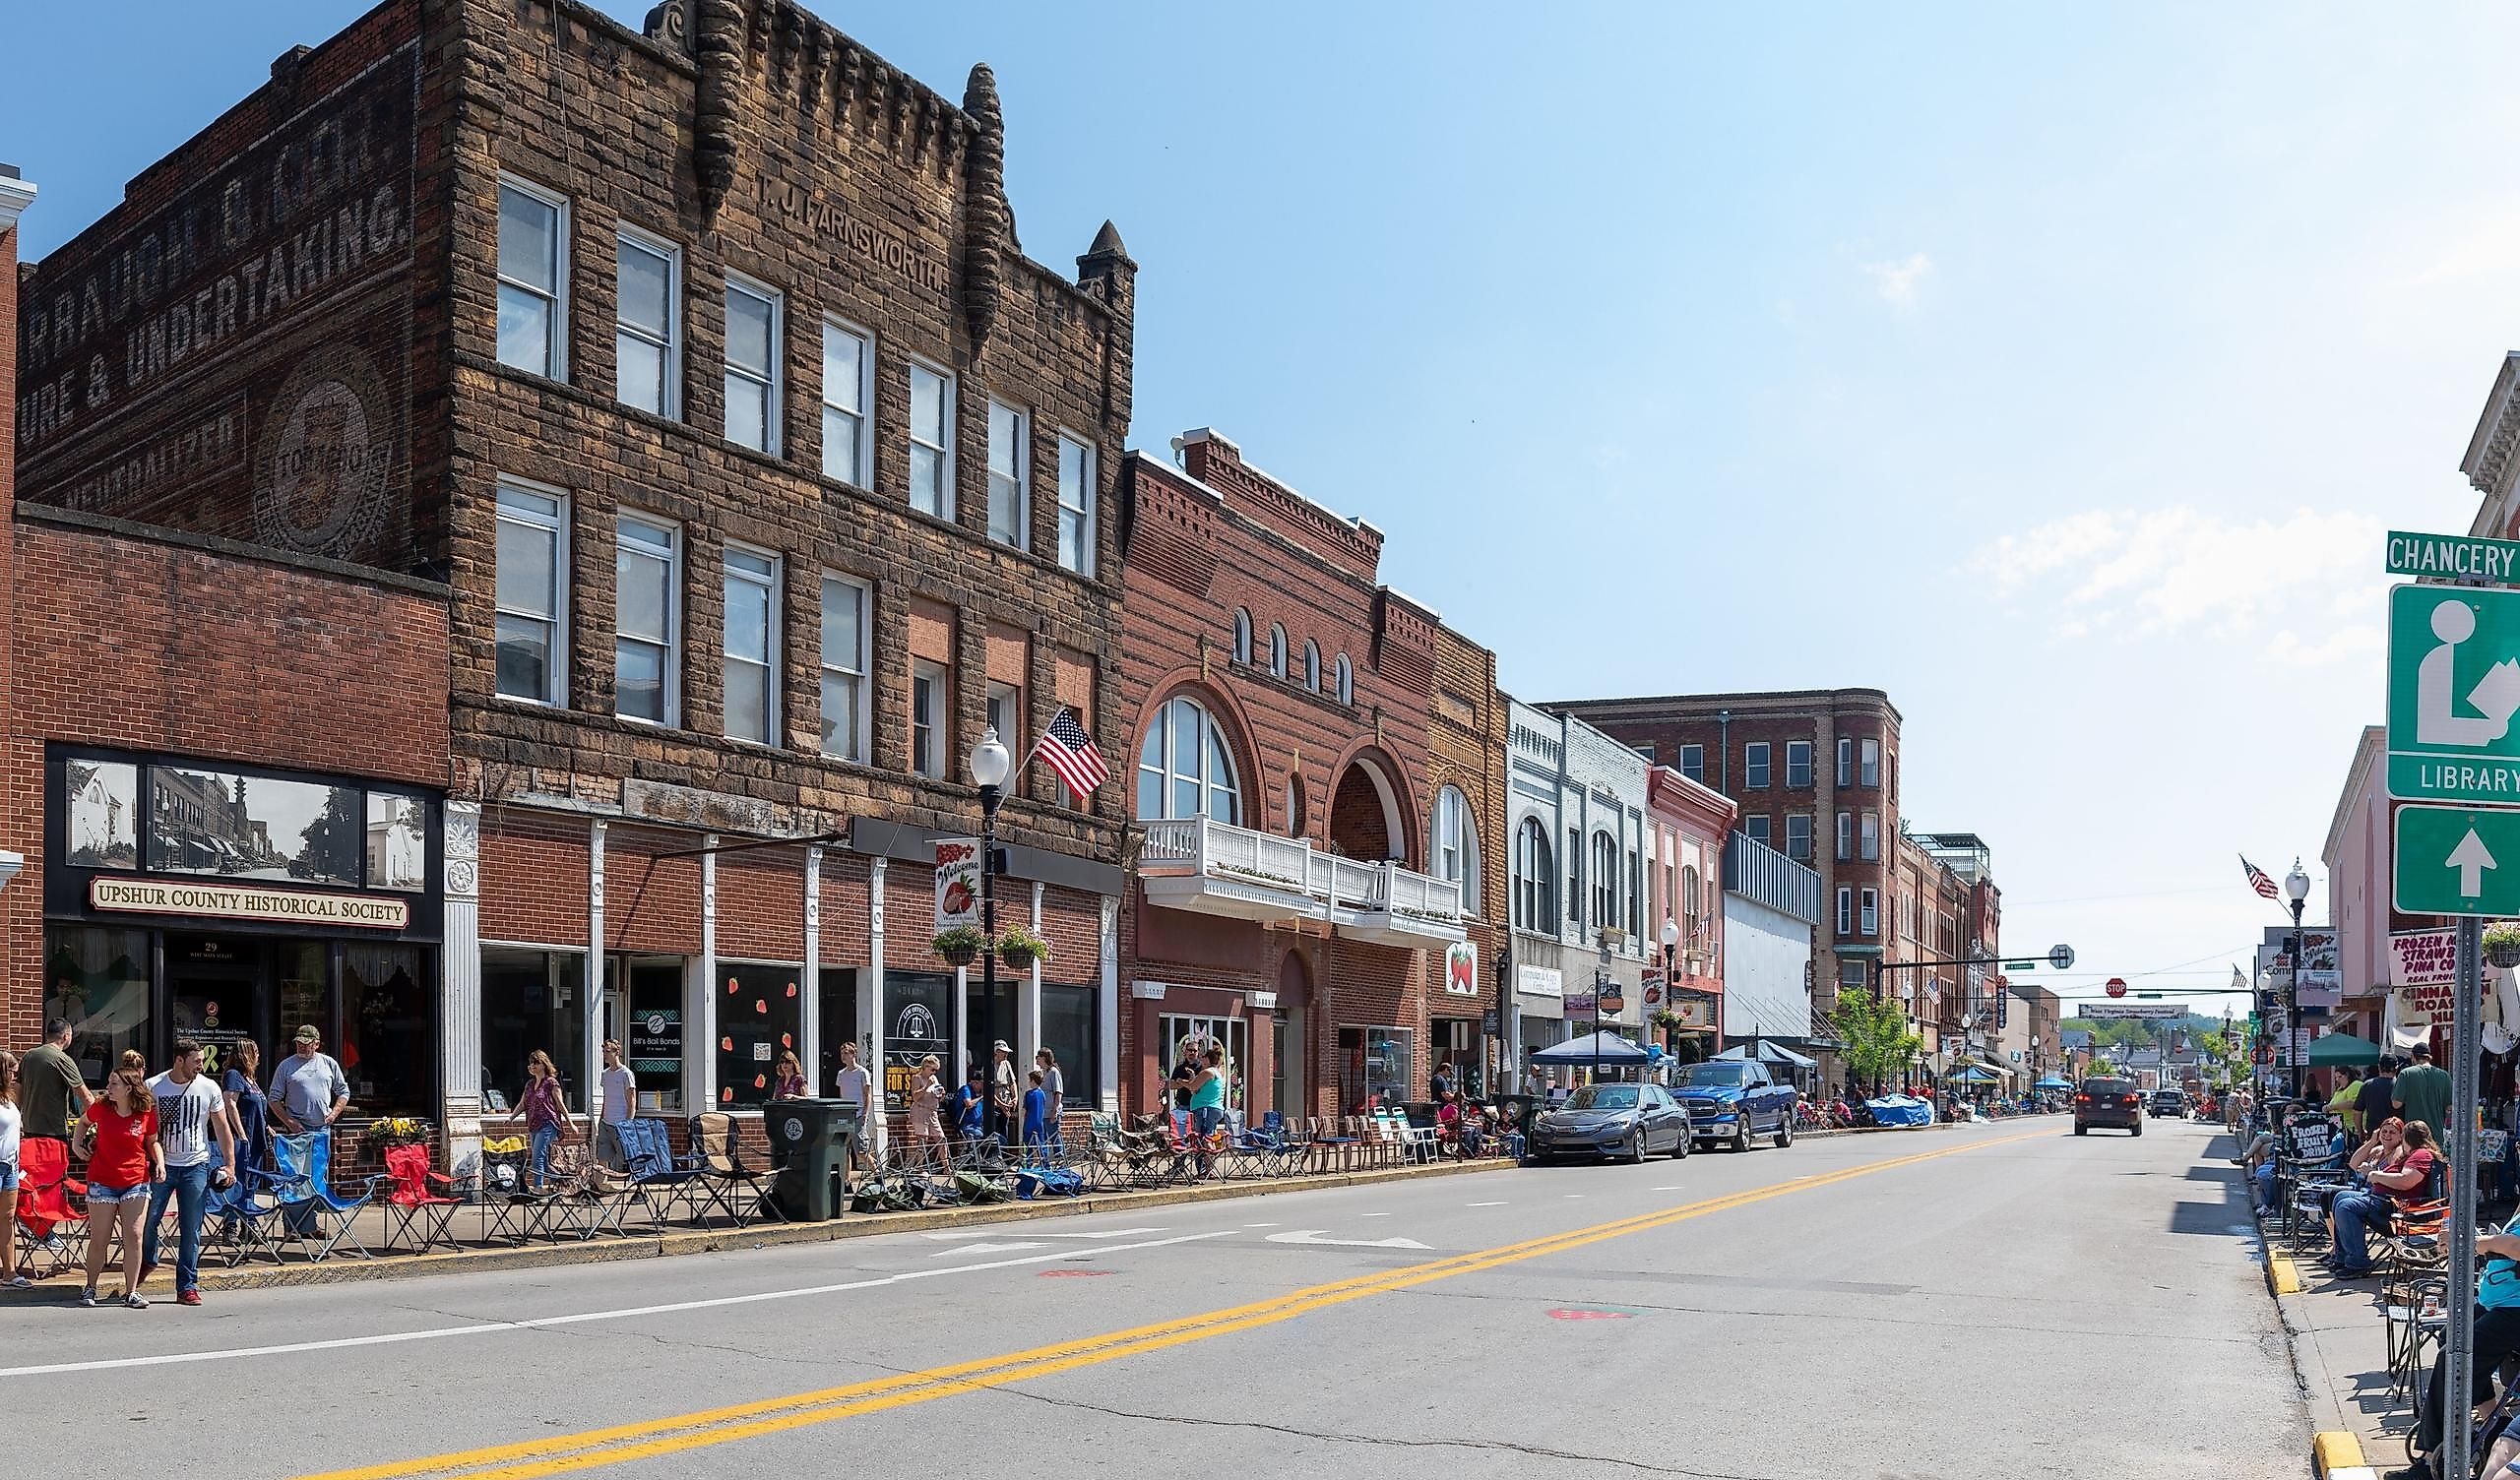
point(682, 424)
point(1576, 826)
point(1305, 865)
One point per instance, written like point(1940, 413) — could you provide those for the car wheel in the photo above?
point(2135, 1130)
point(1636, 1146)
point(1785, 1129)
point(1681, 1142)
point(1741, 1133)
point(2081, 1129)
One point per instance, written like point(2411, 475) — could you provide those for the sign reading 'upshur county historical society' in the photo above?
point(237, 901)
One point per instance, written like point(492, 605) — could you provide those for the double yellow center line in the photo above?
point(622, 1444)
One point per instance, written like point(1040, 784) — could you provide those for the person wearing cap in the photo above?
point(309, 1092)
point(1001, 1090)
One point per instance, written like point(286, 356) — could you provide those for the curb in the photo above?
point(352, 1271)
point(2338, 1456)
point(2335, 1454)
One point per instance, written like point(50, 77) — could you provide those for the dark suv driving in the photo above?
point(2115, 1103)
point(2169, 1102)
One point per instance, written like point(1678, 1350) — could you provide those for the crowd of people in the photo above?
point(987, 1104)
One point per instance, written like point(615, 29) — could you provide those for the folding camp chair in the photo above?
point(657, 1177)
point(238, 1225)
point(511, 1207)
point(313, 1216)
point(420, 1203)
point(52, 1219)
point(725, 1180)
point(597, 1196)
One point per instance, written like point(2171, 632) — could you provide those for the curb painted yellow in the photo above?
point(2336, 1452)
point(2285, 1274)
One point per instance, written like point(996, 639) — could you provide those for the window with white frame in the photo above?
point(846, 605)
point(647, 571)
point(1850, 973)
point(751, 624)
point(1846, 836)
point(1456, 838)
point(753, 333)
point(1797, 762)
point(1754, 764)
point(1010, 474)
point(1006, 714)
point(1798, 836)
point(534, 297)
point(1693, 762)
point(1871, 836)
point(848, 391)
point(931, 689)
point(1604, 881)
point(1846, 762)
point(1534, 884)
point(1075, 505)
point(932, 441)
point(1242, 635)
point(1185, 769)
point(1870, 918)
point(1756, 829)
point(1311, 666)
point(1635, 893)
point(1845, 910)
point(533, 593)
point(648, 324)
point(1276, 649)
point(1873, 762)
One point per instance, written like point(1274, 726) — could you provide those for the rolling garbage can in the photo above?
point(813, 1139)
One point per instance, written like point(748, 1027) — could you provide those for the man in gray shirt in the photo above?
point(309, 1092)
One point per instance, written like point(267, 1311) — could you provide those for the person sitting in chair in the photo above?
point(2392, 1191)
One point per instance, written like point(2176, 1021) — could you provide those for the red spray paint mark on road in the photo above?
point(1578, 1315)
point(1072, 1273)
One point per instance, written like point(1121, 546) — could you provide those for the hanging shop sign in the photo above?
point(958, 882)
point(234, 902)
point(1461, 969)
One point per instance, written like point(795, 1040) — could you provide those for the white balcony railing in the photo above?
point(1216, 868)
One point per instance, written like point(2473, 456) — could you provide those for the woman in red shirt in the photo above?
point(126, 1160)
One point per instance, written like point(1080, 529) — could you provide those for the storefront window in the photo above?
point(1187, 1038)
point(388, 1043)
point(98, 979)
point(1069, 1031)
point(653, 1041)
point(987, 1025)
point(919, 1014)
point(758, 1017)
point(530, 1000)
point(1374, 1066)
point(836, 1009)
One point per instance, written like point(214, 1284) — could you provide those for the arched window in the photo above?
point(1311, 666)
point(1184, 769)
point(1276, 649)
point(1295, 807)
point(1534, 877)
point(1604, 881)
point(1456, 844)
point(1242, 635)
point(1346, 678)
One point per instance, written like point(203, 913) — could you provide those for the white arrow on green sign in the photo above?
point(2457, 861)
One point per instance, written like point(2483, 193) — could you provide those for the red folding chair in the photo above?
point(417, 1207)
point(52, 1209)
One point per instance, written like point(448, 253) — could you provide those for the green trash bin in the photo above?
point(811, 1139)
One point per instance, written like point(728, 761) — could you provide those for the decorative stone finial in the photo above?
point(988, 222)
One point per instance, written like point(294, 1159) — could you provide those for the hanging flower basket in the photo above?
point(2502, 942)
point(1019, 949)
point(960, 946)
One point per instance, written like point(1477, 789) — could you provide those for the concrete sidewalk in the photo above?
point(2340, 1353)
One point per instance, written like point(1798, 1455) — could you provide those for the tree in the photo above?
point(1874, 1030)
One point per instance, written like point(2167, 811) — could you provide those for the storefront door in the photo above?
point(216, 993)
point(1195, 1034)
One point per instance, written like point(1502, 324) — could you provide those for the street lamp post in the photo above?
point(991, 764)
point(1671, 946)
point(2297, 888)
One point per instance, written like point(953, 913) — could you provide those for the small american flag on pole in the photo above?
point(1067, 749)
point(2258, 879)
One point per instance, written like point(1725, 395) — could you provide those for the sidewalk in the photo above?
point(2340, 1353)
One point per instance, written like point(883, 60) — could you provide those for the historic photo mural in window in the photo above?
point(398, 848)
point(210, 821)
point(102, 804)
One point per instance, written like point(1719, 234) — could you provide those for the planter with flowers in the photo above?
point(2502, 942)
point(1020, 949)
point(960, 946)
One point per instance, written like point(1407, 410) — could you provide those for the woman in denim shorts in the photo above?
point(126, 1160)
point(10, 1278)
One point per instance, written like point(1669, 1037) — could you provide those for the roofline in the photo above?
point(1770, 696)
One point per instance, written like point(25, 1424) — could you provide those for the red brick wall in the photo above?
point(534, 878)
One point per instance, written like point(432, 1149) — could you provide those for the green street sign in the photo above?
point(2021, 965)
point(2454, 686)
point(2455, 557)
point(2457, 861)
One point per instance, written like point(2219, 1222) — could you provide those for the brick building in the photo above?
point(696, 382)
point(1305, 869)
point(1467, 732)
point(1685, 827)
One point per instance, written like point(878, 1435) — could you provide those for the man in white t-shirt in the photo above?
point(1054, 1093)
point(190, 1111)
point(620, 1104)
point(853, 1083)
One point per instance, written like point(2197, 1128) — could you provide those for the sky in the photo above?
point(2056, 370)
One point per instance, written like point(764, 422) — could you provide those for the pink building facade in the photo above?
point(1685, 827)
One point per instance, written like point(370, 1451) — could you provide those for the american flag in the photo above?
point(1067, 749)
point(2258, 879)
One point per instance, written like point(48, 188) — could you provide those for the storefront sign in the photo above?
point(156, 896)
point(2423, 958)
point(1540, 981)
point(1691, 1010)
point(655, 1042)
point(958, 882)
point(1461, 969)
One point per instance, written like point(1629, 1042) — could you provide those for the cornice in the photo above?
point(16, 196)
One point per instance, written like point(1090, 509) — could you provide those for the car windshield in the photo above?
point(2108, 1087)
point(1603, 1098)
point(1717, 1074)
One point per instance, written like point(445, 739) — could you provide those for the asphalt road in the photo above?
point(2005, 1300)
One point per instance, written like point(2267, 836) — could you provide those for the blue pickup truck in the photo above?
point(1731, 1100)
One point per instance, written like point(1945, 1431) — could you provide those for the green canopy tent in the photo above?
point(2341, 1049)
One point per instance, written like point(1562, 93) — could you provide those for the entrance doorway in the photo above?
point(215, 989)
point(1197, 1033)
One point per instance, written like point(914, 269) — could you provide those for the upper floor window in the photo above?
point(1604, 881)
point(532, 591)
point(1845, 910)
point(1456, 839)
point(1797, 762)
point(1185, 769)
point(1311, 666)
point(751, 589)
point(1535, 904)
point(533, 297)
point(1690, 906)
point(1635, 894)
point(1798, 836)
point(1276, 650)
point(647, 332)
point(1871, 836)
point(1846, 761)
point(1756, 828)
point(1846, 836)
point(1693, 762)
point(844, 666)
point(1871, 910)
point(1242, 635)
point(932, 441)
point(1005, 714)
point(752, 366)
point(1873, 762)
point(1347, 679)
point(1754, 764)
point(647, 569)
point(931, 693)
point(1075, 505)
point(1010, 494)
point(849, 390)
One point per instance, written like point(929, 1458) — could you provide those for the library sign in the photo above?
point(237, 901)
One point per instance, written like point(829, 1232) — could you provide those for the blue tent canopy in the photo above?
point(1605, 1049)
point(2053, 1083)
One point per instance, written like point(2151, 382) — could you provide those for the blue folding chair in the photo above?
point(657, 1178)
point(234, 1223)
point(312, 1216)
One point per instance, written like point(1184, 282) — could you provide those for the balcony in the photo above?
point(1214, 868)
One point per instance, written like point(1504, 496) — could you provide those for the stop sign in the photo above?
point(2117, 986)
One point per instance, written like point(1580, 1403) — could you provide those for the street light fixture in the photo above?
point(1670, 946)
point(989, 762)
point(2296, 890)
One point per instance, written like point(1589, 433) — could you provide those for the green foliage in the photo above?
point(1874, 1030)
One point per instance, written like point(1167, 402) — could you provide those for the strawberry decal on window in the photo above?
point(727, 1045)
point(761, 1006)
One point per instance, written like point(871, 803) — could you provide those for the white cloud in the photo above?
point(1897, 281)
point(2161, 570)
point(2346, 644)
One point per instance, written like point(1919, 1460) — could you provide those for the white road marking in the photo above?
point(983, 1248)
point(1483, 1204)
point(581, 1317)
point(1574, 1194)
point(1096, 1233)
point(1310, 1236)
point(1373, 1216)
point(1259, 1225)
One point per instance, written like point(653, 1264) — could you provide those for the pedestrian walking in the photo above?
point(126, 1161)
point(1207, 1107)
point(10, 1278)
point(51, 1091)
point(546, 1111)
point(192, 1113)
point(1054, 1087)
point(926, 1094)
point(308, 1090)
point(853, 1083)
point(788, 1077)
point(620, 1107)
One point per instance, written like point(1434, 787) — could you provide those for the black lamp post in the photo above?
point(2296, 890)
point(1670, 994)
point(991, 764)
